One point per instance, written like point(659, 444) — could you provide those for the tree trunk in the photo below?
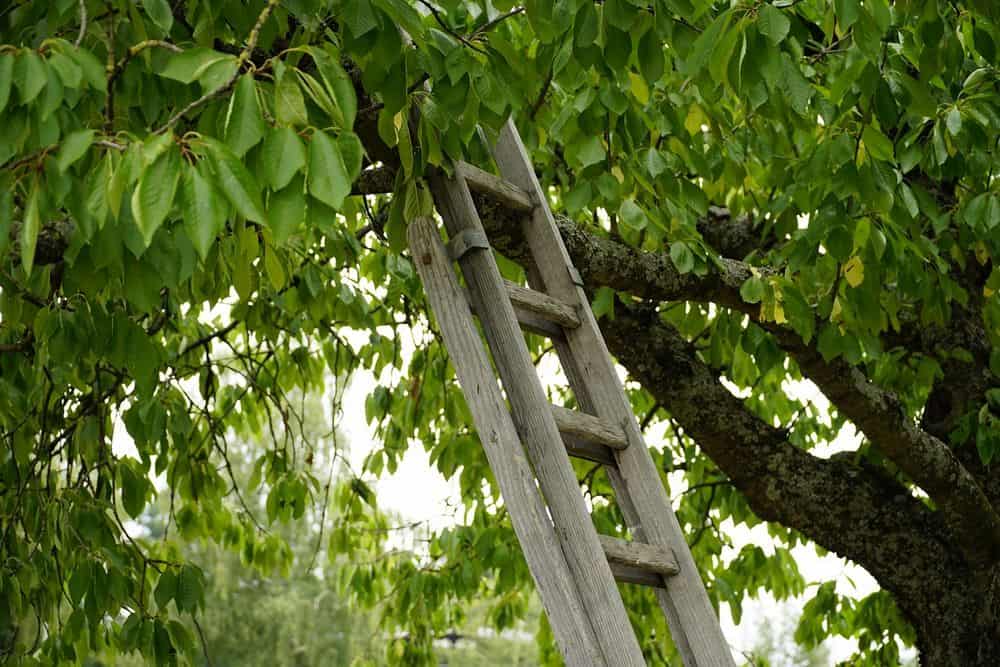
point(957, 628)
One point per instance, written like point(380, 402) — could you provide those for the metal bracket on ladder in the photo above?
point(574, 568)
point(466, 240)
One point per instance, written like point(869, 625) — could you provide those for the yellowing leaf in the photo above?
point(779, 313)
point(639, 88)
point(694, 120)
point(982, 253)
point(854, 271)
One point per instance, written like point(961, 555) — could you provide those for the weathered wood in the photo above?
point(528, 320)
point(588, 365)
point(633, 575)
point(486, 183)
point(538, 432)
point(588, 451)
point(588, 427)
point(647, 557)
point(542, 304)
point(497, 432)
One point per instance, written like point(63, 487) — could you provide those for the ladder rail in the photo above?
point(535, 532)
point(694, 624)
point(538, 430)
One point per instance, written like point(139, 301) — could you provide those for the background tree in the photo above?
point(753, 191)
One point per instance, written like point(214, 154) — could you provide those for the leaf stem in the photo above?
point(221, 90)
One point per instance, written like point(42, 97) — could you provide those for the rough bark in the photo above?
point(853, 511)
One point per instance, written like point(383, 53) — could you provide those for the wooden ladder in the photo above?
point(528, 447)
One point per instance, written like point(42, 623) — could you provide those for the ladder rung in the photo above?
point(645, 558)
point(528, 320)
point(633, 575)
point(588, 451)
point(486, 183)
point(543, 305)
point(588, 427)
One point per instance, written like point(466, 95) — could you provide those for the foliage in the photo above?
point(182, 254)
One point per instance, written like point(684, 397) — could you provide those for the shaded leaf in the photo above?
point(328, 178)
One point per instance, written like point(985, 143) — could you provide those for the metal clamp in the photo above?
point(466, 240)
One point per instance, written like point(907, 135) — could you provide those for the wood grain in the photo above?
point(588, 427)
point(535, 532)
point(486, 183)
point(538, 432)
point(638, 487)
point(648, 557)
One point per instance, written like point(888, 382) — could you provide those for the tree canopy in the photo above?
point(202, 219)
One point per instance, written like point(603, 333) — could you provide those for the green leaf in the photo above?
point(282, 156)
point(772, 23)
point(795, 86)
point(878, 145)
point(133, 489)
point(289, 105)
point(650, 55)
point(6, 219)
point(191, 64)
point(586, 151)
point(73, 148)
point(328, 178)
point(154, 196)
point(166, 589)
point(339, 82)
point(706, 43)
point(30, 228)
point(682, 257)
point(954, 121)
point(233, 179)
point(353, 153)
point(632, 216)
point(752, 291)
point(30, 76)
point(847, 12)
point(286, 209)
point(159, 11)
point(359, 17)
point(244, 121)
point(6, 78)
point(189, 589)
point(603, 304)
point(204, 209)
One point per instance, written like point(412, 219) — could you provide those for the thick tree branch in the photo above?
point(924, 458)
point(877, 413)
point(853, 511)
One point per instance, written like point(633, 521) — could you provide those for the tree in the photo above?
point(753, 192)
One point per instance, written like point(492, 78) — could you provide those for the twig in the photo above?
point(83, 23)
point(444, 26)
point(486, 27)
point(208, 338)
point(201, 636)
point(542, 94)
point(113, 145)
point(221, 90)
point(649, 416)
